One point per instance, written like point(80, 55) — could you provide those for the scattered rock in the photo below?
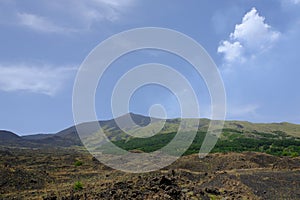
point(165, 181)
point(214, 191)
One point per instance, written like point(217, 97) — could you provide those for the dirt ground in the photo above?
point(67, 173)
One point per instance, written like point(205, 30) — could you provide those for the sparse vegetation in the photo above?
point(239, 166)
point(221, 175)
point(78, 163)
point(78, 186)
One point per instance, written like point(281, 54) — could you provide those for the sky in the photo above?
point(254, 43)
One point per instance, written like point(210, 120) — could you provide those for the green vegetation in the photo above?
point(78, 185)
point(146, 144)
point(231, 140)
point(271, 146)
point(78, 163)
point(280, 139)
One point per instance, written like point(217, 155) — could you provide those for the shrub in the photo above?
point(78, 163)
point(285, 153)
point(294, 154)
point(78, 185)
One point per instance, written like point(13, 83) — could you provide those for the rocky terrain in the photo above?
point(249, 161)
point(72, 173)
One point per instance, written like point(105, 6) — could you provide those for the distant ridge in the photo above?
point(10, 139)
point(37, 136)
point(7, 135)
point(69, 137)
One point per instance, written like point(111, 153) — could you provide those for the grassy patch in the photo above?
point(78, 186)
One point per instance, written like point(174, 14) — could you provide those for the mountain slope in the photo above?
point(69, 137)
point(37, 136)
point(11, 139)
point(284, 127)
point(7, 135)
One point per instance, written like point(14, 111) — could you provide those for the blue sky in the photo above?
point(255, 44)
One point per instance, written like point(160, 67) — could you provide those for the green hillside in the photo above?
point(281, 139)
point(231, 140)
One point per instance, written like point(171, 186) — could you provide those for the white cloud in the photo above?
point(39, 23)
point(254, 31)
point(79, 16)
point(249, 38)
point(37, 79)
point(232, 51)
point(64, 16)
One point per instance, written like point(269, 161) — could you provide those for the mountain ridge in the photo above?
point(69, 136)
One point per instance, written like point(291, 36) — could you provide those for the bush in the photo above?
point(78, 185)
point(285, 153)
point(78, 163)
point(294, 154)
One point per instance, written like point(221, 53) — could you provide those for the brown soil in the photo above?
point(51, 174)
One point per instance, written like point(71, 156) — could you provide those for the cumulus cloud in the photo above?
point(249, 38)
point(232, 51)
point(30, 78)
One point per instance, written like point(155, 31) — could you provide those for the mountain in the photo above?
point(7, 135)
point(11, 139)
point(37, 136)
point(69, 136)
point(8, 138)
point(284, 127)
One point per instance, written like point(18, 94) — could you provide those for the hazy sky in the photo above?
point(255, 44)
